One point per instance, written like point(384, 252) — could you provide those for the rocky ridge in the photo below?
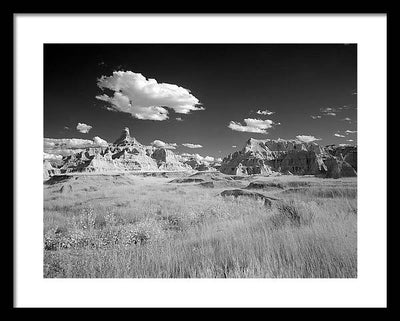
point(125, 154)
point(267, 157)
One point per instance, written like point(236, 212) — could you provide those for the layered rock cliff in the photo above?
point(125, 154)
point(291, 156)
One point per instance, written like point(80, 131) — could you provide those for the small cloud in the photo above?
point(307, 138)
point(160, 144)
point(350, 140)
point(189, 145)
point(64, 143)
point(252, 126)
point(208, 159)
point(234, 146)
point(316, 117)
point(66, 127)
point(347, 119)
point(179, 119)
point(50, 156)
point(338, 135)
point(83, 128)
point(328, 111)
point(350, 132)
point(265, 112)
point(100, 142)
point(345, 107)
point(197, 157)
point(332, 111)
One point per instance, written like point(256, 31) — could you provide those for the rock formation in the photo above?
point(126, 139)
point(265, 157)
point(199, 165)
point(125, 154)
point(49, 170)
point(347, 153)
point(168, 161)
point(269, 156)
point(243, 193)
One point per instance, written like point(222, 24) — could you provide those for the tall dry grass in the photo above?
point(156, 230)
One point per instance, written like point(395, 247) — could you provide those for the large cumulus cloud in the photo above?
point(145, 98)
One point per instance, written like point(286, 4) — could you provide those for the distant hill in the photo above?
point(291, 157)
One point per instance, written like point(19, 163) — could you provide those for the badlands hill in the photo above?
point(125, 154)
point(269, 156)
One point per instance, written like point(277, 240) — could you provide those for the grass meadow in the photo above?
point(126, 226)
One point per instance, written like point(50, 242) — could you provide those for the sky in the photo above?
point(201, 98)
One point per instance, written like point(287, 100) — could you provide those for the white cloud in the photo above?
point(252, 125)
point(68, 143)
point(186, 155)
point(315, 117)
point(332, 111)
point(347, 119)
point(350, 140)
point(160, 144)
point(343, 145)
point(265, 112)
point(339, 135)
point(51, 156)
point(145, 98)
point(234, 146)
point(83, 128)
point(66, 127)
point(328, 111)
point(345, 107)
point(189, 145)
point(179, 119)
point(307, 138)
point(198, 158)
point(350, 132)
point(99, 141)
point(218, 160)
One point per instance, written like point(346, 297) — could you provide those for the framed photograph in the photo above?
point(189, 158)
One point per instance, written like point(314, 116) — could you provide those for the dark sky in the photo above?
point(231, 82)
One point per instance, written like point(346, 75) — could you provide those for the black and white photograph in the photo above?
point(200, 161)
point(185, 162)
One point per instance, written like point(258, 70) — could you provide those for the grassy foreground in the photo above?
point(145, 227)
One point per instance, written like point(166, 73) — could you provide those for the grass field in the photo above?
point(130, 226)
